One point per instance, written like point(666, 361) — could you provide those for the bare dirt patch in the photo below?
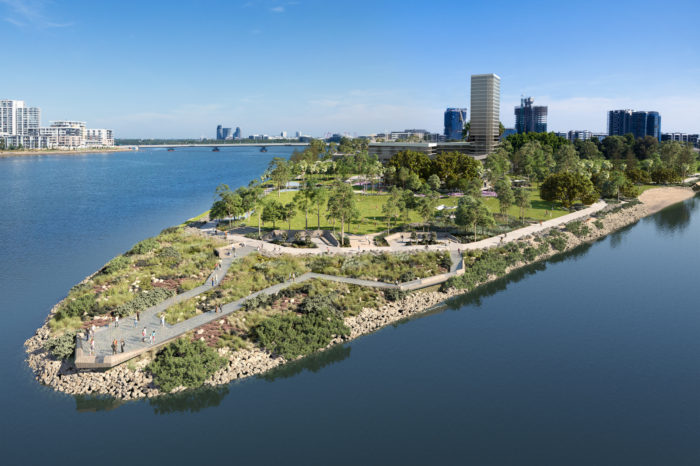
point(660, 198)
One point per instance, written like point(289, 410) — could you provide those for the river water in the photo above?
point(591, 358)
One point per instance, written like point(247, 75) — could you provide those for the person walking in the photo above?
point(162, 320)
point(143, 335)
point(136, 321)
point(153, 337)
point(114, 347)
point(92, 346)
point(138, 315)
point(116, 321)
point(122, 345)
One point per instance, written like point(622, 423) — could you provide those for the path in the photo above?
point(150, 320)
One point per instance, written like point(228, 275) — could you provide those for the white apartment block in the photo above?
point(16, 119)
point(20, 126)
point(99, 138)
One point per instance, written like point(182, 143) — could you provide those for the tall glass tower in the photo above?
point(455, 118)
point(485, 114)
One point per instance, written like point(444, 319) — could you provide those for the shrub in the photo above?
point(143, 247)
point(170, 230)
point(557, 240)
point(598, 224)
point(291, 336)
point(184, 363)
point(394, 294)
point(77, 307)
point(578, 228)
point(380, 240)
point(116, 264)
point(62, 347)
point(530, 254)
point(169, 256)
point(318, 303)
point(143, 301)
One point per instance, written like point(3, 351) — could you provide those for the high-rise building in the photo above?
point(619, 122)
point(16, 119)
point(485, 113)
point(583, 135)
point(237, 133)
point(529, 118)
point(283, 135)
point(219, 132)
point(455, 118)
point(640, 124)
point(226, 133)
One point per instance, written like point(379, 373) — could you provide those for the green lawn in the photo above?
point(373, 221)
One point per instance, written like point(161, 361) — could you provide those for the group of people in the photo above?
point(117, 344)
point(148, 338)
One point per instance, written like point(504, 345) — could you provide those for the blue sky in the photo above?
point(154, 68)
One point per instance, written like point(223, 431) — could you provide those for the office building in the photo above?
point(455, 118)
point(640, 124)
point(283, 135)
point(237, 133)
point(681, 137)
point(530, 118)
point(582, 135)
point(219, 132)
point(508, 132)
point(227, 133)
point(485, 114)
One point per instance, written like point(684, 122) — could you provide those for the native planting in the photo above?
point(184, 363)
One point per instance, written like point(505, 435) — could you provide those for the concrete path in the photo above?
point(132, 334)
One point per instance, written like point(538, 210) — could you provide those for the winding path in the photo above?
point(131, 332)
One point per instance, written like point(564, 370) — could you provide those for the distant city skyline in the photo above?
point(344, 82)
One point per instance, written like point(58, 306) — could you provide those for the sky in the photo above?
point(171, 69)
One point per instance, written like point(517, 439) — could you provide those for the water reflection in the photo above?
point(189, 401)
point(93, 404)
point(313, 363)
point(676, 218)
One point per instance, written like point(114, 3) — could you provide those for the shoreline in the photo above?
point(34, 152)
point(129, 381)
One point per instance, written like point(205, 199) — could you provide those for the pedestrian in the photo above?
point(123, 344)
point(92, 346)
point(294, 276)
point(116, 321)
point(87, 334)
point(136, 321)
point(162, 320)
point(138, 315)
point(114, 347)
point(143, 335)
point(153, 337)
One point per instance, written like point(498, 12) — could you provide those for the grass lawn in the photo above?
point(373, 221)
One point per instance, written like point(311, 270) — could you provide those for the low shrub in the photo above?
point(169, 256)
point(77, 307)
point(380, 240)
point(578, 228)
point(557, 240)
point(184, 363)
point(291, 335)
point(62, 347)
point(598, 224)
point(394, 294)
point(143, 247)
point(116, 264)
point(143, 301)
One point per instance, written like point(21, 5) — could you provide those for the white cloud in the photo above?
point(277, 9)
point(30, 12)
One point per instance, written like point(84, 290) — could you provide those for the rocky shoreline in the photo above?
point(130, 380)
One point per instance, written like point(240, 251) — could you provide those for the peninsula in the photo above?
point(228, 295)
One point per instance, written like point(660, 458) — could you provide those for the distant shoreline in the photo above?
point(24, 153)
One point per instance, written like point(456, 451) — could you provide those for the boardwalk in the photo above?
point(132, 334)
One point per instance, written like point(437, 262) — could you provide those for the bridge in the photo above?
point(222, 145)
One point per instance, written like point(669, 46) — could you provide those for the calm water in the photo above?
point(593, 359)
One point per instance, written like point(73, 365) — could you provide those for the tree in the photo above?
point(319, 197)
point(434, 182)
point(280, 173)
point(522, 200)
point(393, 206)
point(471, 211)
point(566, 159)
point(341, 205)
point(567, 187)
point(413, 161)
point(253, 199)
point(465, 130)
point(505, 196)
point(303, 199)
point(228, 205)
point(587, 149)
point(272, 212)
point(427, 205)
point(451, 167)
point(534, 160)
point(497, 165)
point(287, 213)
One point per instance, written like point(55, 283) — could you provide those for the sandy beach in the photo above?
point(660, 198)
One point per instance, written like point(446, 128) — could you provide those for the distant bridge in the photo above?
point(243, 144)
